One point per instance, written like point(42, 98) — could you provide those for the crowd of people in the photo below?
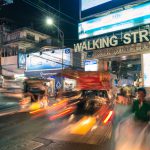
point(126, 94)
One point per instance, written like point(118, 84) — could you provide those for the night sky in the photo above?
point(33, 13)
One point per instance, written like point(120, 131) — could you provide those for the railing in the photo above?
point(18, 38)
point(49, 42)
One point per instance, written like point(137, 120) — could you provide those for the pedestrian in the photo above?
point(140, 106)
point(133, 132)
point(45, 89)
point(27, 93)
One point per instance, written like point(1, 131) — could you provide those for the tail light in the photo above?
point(108, 117)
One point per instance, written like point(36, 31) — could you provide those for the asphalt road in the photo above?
point(23, 131)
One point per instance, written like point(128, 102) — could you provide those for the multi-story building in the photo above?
point(16, 44)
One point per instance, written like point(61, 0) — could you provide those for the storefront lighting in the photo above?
point(124, 57)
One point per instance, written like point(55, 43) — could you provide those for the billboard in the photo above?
point(49, 60)
point(91, 65)
point(86, 4)
point(5, 2)
point(146, 65)
point(135, 16)
point(89, 8)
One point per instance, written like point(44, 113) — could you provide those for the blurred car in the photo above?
point(98, 105)
point(100, 95)
point(68, 95)
point(89, 113)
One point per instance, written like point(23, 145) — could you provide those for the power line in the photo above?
point(48, 12)
point(59, 11)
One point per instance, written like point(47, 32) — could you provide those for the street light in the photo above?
point(49, 21)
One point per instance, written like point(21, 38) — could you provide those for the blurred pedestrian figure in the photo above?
point(27, 92)
point(141, 107)
point(45, 90)
point(121, 97)
point(43, 97)
point(134, 131)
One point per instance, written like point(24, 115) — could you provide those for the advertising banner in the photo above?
point(135, 16)
point(89, 8)
point(49, 60)
point(86, 4)
point(89, 80)
point(91, 65)
point(69, 84)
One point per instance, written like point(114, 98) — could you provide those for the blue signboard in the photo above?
point(21, 60)
point(135, 16)
point(49, 60)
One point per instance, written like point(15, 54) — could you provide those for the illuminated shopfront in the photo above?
point(119, 40)
point(47, 64)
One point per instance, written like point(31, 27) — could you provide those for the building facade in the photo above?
point(16, 46)
point(120, 42)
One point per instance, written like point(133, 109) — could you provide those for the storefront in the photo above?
point(47, 64)
point(125, 52)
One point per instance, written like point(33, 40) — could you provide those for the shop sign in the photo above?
point(126, 49)
point(45, 74)
point(113, 41)
point(60, 58)
point(91, 65)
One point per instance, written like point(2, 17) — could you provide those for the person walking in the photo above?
point(133, 132)
point(140, 106)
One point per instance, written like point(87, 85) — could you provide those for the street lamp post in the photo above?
point(49, 21)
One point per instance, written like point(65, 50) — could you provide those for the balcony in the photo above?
point(15, 39)
point(49, 43)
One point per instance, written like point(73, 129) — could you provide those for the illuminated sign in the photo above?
point(49, 60)
point(146, 65)
point(135, 16)
point(91, 65)
point(5, 2)
point(86, 4)
point(89, 8)
point(114, 40)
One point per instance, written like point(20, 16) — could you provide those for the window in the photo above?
point(30, 36)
